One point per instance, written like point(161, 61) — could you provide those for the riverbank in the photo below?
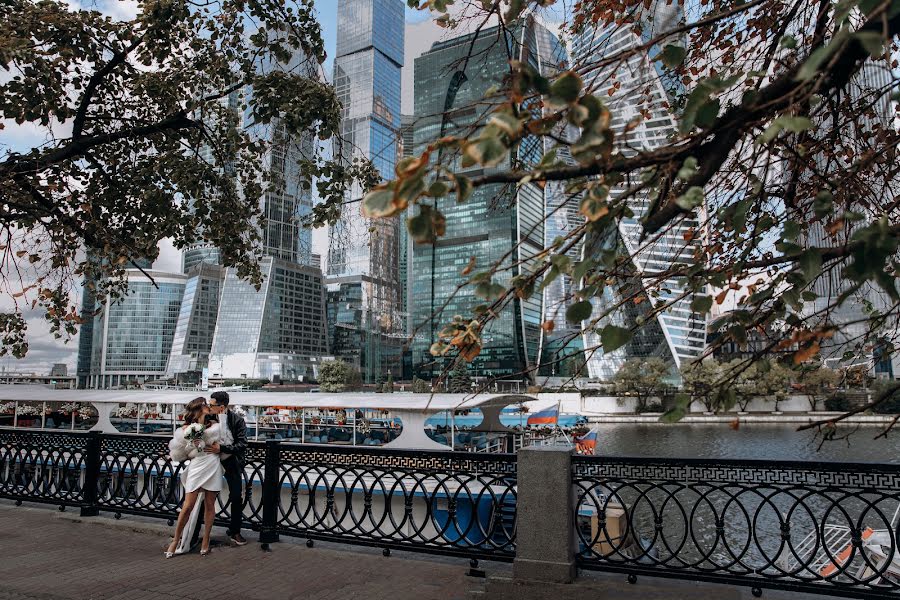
point(729, 418)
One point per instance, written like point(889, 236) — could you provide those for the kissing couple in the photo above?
point(214, 449)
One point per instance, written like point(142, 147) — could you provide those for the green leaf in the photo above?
point(487, 150)
point(378, 203)
point(463, 187)
point(688, 169)
point(672, 55)
point(507, 122)
point(438, 189)
point(579, 311)
point(566, 88)
point(613, 337)
point(788, 41)
point(872, 41)
point(707, 113)
point(810, 68)
point(823, 204)
point(581, 268)
point(791, 231)
point(810, 264)
point(691, 199)
point(673, 415)
point(701, 304)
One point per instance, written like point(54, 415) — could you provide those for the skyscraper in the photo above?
point(132, 338)
point(196, 324)
point(561, 349)
point(495, 225)
point(363, 265)
point(276, 332)
point(676, 334)
point(867, 99)
point(86, 331)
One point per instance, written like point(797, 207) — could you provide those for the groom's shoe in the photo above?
point(237, 539)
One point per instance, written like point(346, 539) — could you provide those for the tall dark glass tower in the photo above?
point(363, 277)
point(494, 225)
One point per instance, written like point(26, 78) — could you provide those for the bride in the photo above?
point(202, 478)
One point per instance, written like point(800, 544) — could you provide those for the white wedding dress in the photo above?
point(204, 472)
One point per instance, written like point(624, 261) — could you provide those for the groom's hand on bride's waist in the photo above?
point(213, 448)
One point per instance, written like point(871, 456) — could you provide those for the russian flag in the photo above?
point(548, 416)
point(586, 443)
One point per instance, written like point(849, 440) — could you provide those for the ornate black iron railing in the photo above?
point(816, 527)
point(454, 503)
point(440, 502)
point(43, 467)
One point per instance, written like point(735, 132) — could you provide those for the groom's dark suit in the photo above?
point(234, 467)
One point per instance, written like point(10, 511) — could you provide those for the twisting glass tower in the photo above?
point(639, 90)
point(363, 278)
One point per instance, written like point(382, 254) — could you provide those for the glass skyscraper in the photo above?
point(363, 253)
point(276, 332)
point(132, 338)
point(197, 320)
point(495, 225)
point(676, 334)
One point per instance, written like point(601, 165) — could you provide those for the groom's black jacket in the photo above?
point(238, 428)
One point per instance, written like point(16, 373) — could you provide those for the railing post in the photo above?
point(268, 532)
point(545, 515)
point(89, 504)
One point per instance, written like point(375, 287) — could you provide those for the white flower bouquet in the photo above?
point(193, 437)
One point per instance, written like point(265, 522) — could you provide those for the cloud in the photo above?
point(169, 259)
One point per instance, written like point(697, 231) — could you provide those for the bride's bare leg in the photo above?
point(189, 500)
point(209, 515)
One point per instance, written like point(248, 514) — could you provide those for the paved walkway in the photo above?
point(48, 555)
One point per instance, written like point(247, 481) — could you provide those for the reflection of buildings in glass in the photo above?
point(363, 253)
point(643, 88)
point(86, 331)
point(276, 332)
point(492, 226)
point(196, 322)
point(131, 339)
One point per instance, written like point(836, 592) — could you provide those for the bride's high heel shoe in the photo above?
point(169, 554)
point(204, 552)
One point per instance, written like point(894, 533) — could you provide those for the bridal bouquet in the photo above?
point(193, 436)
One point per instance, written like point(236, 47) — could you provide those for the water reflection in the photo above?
point(756, 441)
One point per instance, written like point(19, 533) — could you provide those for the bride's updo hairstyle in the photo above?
point(193, 412)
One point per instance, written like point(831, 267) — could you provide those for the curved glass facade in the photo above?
point(495, 225)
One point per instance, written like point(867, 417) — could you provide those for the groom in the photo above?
point(233, 447)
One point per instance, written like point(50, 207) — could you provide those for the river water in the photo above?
point(753, 441)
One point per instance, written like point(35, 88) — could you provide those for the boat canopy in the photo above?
point(386, 401)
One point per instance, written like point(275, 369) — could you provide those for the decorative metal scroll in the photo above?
point(817, 527)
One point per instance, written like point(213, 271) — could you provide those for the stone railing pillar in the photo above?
point(545, 515)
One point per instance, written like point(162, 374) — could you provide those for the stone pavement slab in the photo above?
point(46, 556)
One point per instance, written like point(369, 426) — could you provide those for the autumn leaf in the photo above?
point(468, 268)
point(548, 326)
point(806, 352)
